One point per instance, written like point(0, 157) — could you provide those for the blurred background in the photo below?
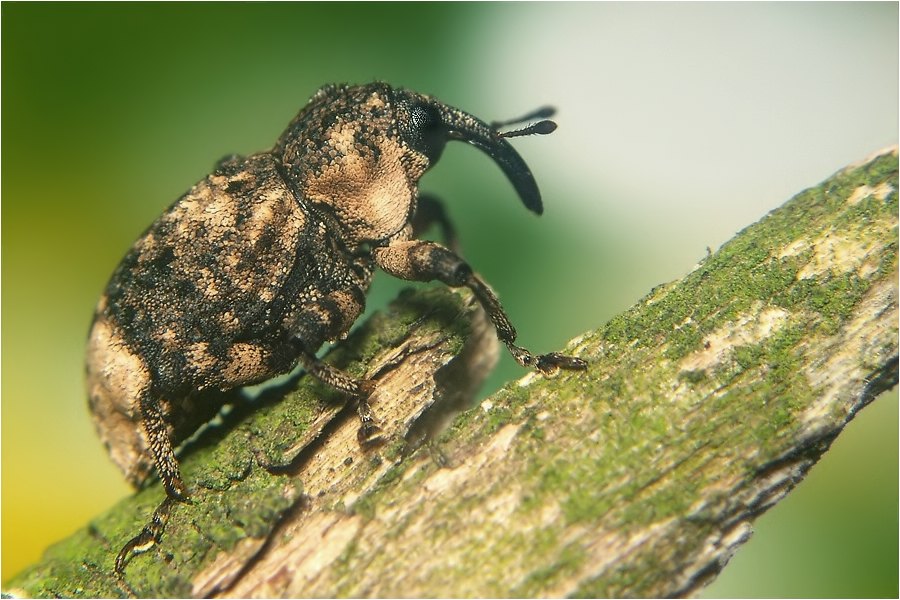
point(680, 124)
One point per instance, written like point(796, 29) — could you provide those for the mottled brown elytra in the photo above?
point(269, 257)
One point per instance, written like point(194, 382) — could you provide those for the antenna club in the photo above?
point(540, 128)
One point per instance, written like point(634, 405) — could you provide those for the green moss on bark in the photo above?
point(702, 405)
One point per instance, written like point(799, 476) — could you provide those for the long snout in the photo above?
point(463, 126)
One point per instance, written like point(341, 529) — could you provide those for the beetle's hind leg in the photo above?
point(161, 447)
point(167, 467)
point(148, 537)
point(369, 432)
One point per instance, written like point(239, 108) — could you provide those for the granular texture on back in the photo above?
point(271, 255)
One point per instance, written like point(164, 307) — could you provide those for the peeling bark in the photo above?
point(704, 405)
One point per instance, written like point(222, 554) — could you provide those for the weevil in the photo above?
point(259, 264)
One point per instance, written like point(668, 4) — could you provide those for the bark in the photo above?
point(703, 406)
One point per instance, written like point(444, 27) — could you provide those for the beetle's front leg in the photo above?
point(425, 261)
point(430, 212)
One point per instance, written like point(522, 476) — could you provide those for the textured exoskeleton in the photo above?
point(271, 255)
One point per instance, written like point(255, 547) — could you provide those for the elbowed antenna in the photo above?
point(463, 126)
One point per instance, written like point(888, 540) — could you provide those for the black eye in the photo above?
point(425, 117)
point(426, 132)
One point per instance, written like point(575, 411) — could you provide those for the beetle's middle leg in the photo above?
point(327, 319)
point(418, 260)
point(369, 432)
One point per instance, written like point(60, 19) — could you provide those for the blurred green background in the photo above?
point(679, 125)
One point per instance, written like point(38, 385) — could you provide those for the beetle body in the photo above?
point(214, 296)
point(271, 255)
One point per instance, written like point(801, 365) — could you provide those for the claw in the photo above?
point(549, 364)
point(177, 492)
point(140, 543)
point(546, 364)
point(149, 536)
point(369, 434)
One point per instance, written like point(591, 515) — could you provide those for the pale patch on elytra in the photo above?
point(750, 328)
point(207, 282)
point(169, 338)
point(246, 363)
point(116, 380)
point(268, 294)
point(217, 214)
point(204, 210)
point(199, 358)
point(228, 321)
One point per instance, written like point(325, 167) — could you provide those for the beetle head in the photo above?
point(359, 151)
point(426, 125)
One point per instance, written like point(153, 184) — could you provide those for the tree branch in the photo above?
point(704, 405)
